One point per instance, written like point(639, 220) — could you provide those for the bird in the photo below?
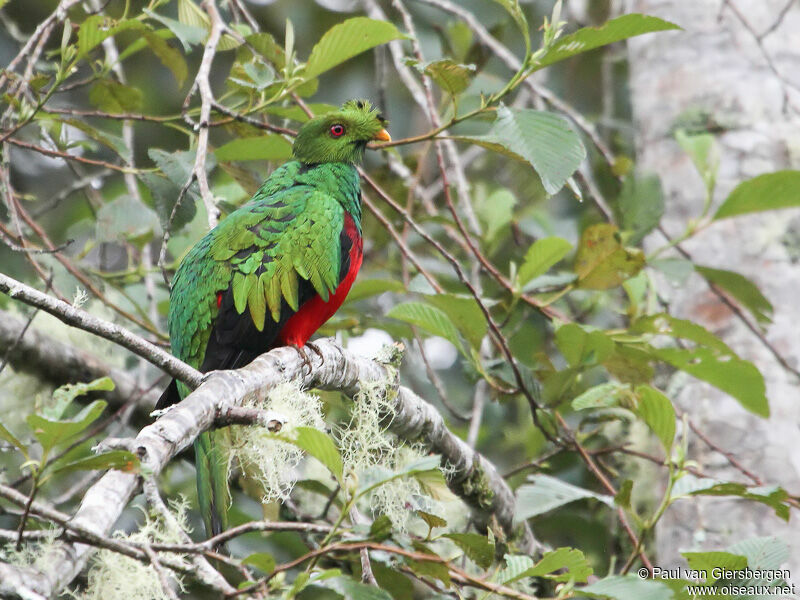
point(272, 272)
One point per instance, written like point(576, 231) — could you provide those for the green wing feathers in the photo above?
point(267, 255)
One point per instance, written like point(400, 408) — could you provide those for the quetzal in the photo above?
point(272, 272)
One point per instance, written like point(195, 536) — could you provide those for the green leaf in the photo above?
point(169, 57)
point(545, 493)
point(762, 552)
point(434, 485)
point(641, 205)
point(51, 433)
point(477, 547)
point(295, 113)
point(428, 568)
point(430, 519)
point(703, 151)
point(122, 460)
point(111, 96)
point(125, 218)
point(540, 257)
point(465, 314)
point(665, 324)
point(320, 446)
point(601, 261)
point(600, 396)
point(348, 39)
point(12, 439)
point(165, 194)
point(381, 528)
point(589, 38)
point(738, 378)
point(351, 589)
point(627, 587)
point(452, 77)
point(708, 561)
point(188, 35)
point(496, 212)
point(191, 14)
point(543, 139)
point(262, 561)
point(367, 288)
point(516, 12)
point(97, 28)
point(581, 346)
point(515, 565)
point(623, 497)
point(741, 288)
point(657, 411)
point(773, 496)
point(428, 318)
point(572, 560)
point(771, 191)
point(264, 147)
point(64, 395)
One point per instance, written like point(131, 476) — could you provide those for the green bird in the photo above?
point(272, 272)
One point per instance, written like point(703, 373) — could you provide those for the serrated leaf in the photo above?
point(351, 589)
point(600, 396)
point(773, 496)
point(188, 35)
point(572, 560)
point(589, 38)
point(641, 205)
point(169, 57)
point(262, 561)
point(657, 411)
point(708, 561)
point(430, 519)
point(449, 75)
point(125, 218)
point(263, 147)
point(515, 564)
point(742, 289)
point(770, 191)
point(121, 460)
point(97, 28)
point(465, 314)
point(762, 552)
point(320, 446)
point(601, 261)
point(114, 97)
point(540, 257)
point(583, 346)
point(543, 139)
point(191, 14)
point(427, 568)
point(626, 587)
point(477, 547)
point(348, 39)
point(165, 194)
point(545, 493)
point(51, 433)
point(428, 318)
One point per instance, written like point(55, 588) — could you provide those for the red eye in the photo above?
point(337, 130)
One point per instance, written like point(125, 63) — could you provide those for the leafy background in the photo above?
point(542, 230)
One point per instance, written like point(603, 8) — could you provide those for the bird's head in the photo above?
point(340, 136)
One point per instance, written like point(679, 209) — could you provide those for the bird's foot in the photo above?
point(316, 351)
point(301, 350)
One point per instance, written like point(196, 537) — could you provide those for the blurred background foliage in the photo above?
point(572, 294)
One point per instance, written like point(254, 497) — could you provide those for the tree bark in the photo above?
point(736, 62)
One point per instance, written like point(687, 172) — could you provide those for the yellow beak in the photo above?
point(383, 136)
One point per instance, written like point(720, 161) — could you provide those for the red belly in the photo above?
point(315, 312)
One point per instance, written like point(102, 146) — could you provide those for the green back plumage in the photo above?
point(288, 231)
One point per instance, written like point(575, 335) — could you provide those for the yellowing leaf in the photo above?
point(602, 262)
